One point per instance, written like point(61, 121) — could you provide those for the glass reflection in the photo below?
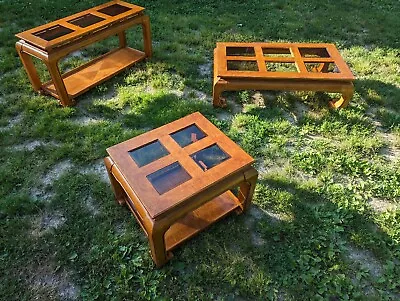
point(148, 153)
point(168, 177)
point(209, 157)
point(188, 135)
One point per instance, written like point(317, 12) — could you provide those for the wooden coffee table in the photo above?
point(281, 66)
point(177, 180)
point(55, 40)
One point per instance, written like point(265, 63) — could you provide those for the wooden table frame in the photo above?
point(66, 87)
point(175, 216)
point(310, 62)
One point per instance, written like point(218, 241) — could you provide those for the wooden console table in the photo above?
point(177, 180)
point(281, 66)
point(55, 40)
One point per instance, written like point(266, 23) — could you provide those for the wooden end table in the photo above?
point(53, 41)
point(177, 180)
point(281, 66)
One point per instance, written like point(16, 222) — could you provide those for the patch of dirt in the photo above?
point(277, 167)
point(276, 217)
point(381, 205)
point(256, 239)
point(40, 194)
point(205, 70)
point(47, 222)
point(391, 152)
point(48, 284)
point(193, 93)
point(97, 168)
point(78, 54)
point(32, 145)
point(91, 205)
point(256, 212)
point(225, 116)
point(299, 111)
point(86, 120)
point(88, 99)
point(258, 99)
point(56, 172)
point(120, 229)
point(235, 107)
point(12, 122)
point(366, 260)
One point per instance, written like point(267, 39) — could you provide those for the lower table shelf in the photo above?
point(200, 218)
point(81, 79)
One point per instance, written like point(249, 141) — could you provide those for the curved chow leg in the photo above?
point(343, 101)
point(218, 101)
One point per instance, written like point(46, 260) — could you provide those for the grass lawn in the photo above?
point(325, 224)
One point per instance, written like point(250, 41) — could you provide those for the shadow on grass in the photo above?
point(379, 94)
point(300, 258)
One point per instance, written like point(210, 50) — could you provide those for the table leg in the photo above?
point(246, 188)
point(122, 39)
point(157, 245)
point(218, 86)
point(29, 67)
point(119, 192)
point(147, 36)
point(218, 101)
point(59, 84)
point(344, 100)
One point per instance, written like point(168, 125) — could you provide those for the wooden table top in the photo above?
point(71, 28)
point(167, 166)
point(259, 60)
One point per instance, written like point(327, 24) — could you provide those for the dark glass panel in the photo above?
point(188, 135)
point(86, 20)
point(209, 157)
point(240, 51)
point(242, 66)
point(168, 177)
point(148, 153)
point(53, 32)
point(114, 10)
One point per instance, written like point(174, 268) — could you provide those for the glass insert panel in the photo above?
point(168, 178)
point(281, 67)
point(148, 153)
point(209, 157)
point(322, 67)
point(86, 20)
point(114, 10)
point(277, 52)
point(188, 135)
point(242, 65)
point(53, 32)
point(314, 52)
point(240, 51)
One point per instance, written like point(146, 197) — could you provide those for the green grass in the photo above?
point(325, 224)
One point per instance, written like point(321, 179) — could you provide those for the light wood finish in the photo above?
point(310, 64)
point(174, 216)
point(38, 42)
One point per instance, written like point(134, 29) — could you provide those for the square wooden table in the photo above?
point(53, 41)
point(281, 66)
point(178, 179)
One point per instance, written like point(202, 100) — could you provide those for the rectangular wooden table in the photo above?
point(281, 66)
point(55, 40)
point(177, 180)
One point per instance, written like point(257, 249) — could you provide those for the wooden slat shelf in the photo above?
point(81, 79)
point(200, 219)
